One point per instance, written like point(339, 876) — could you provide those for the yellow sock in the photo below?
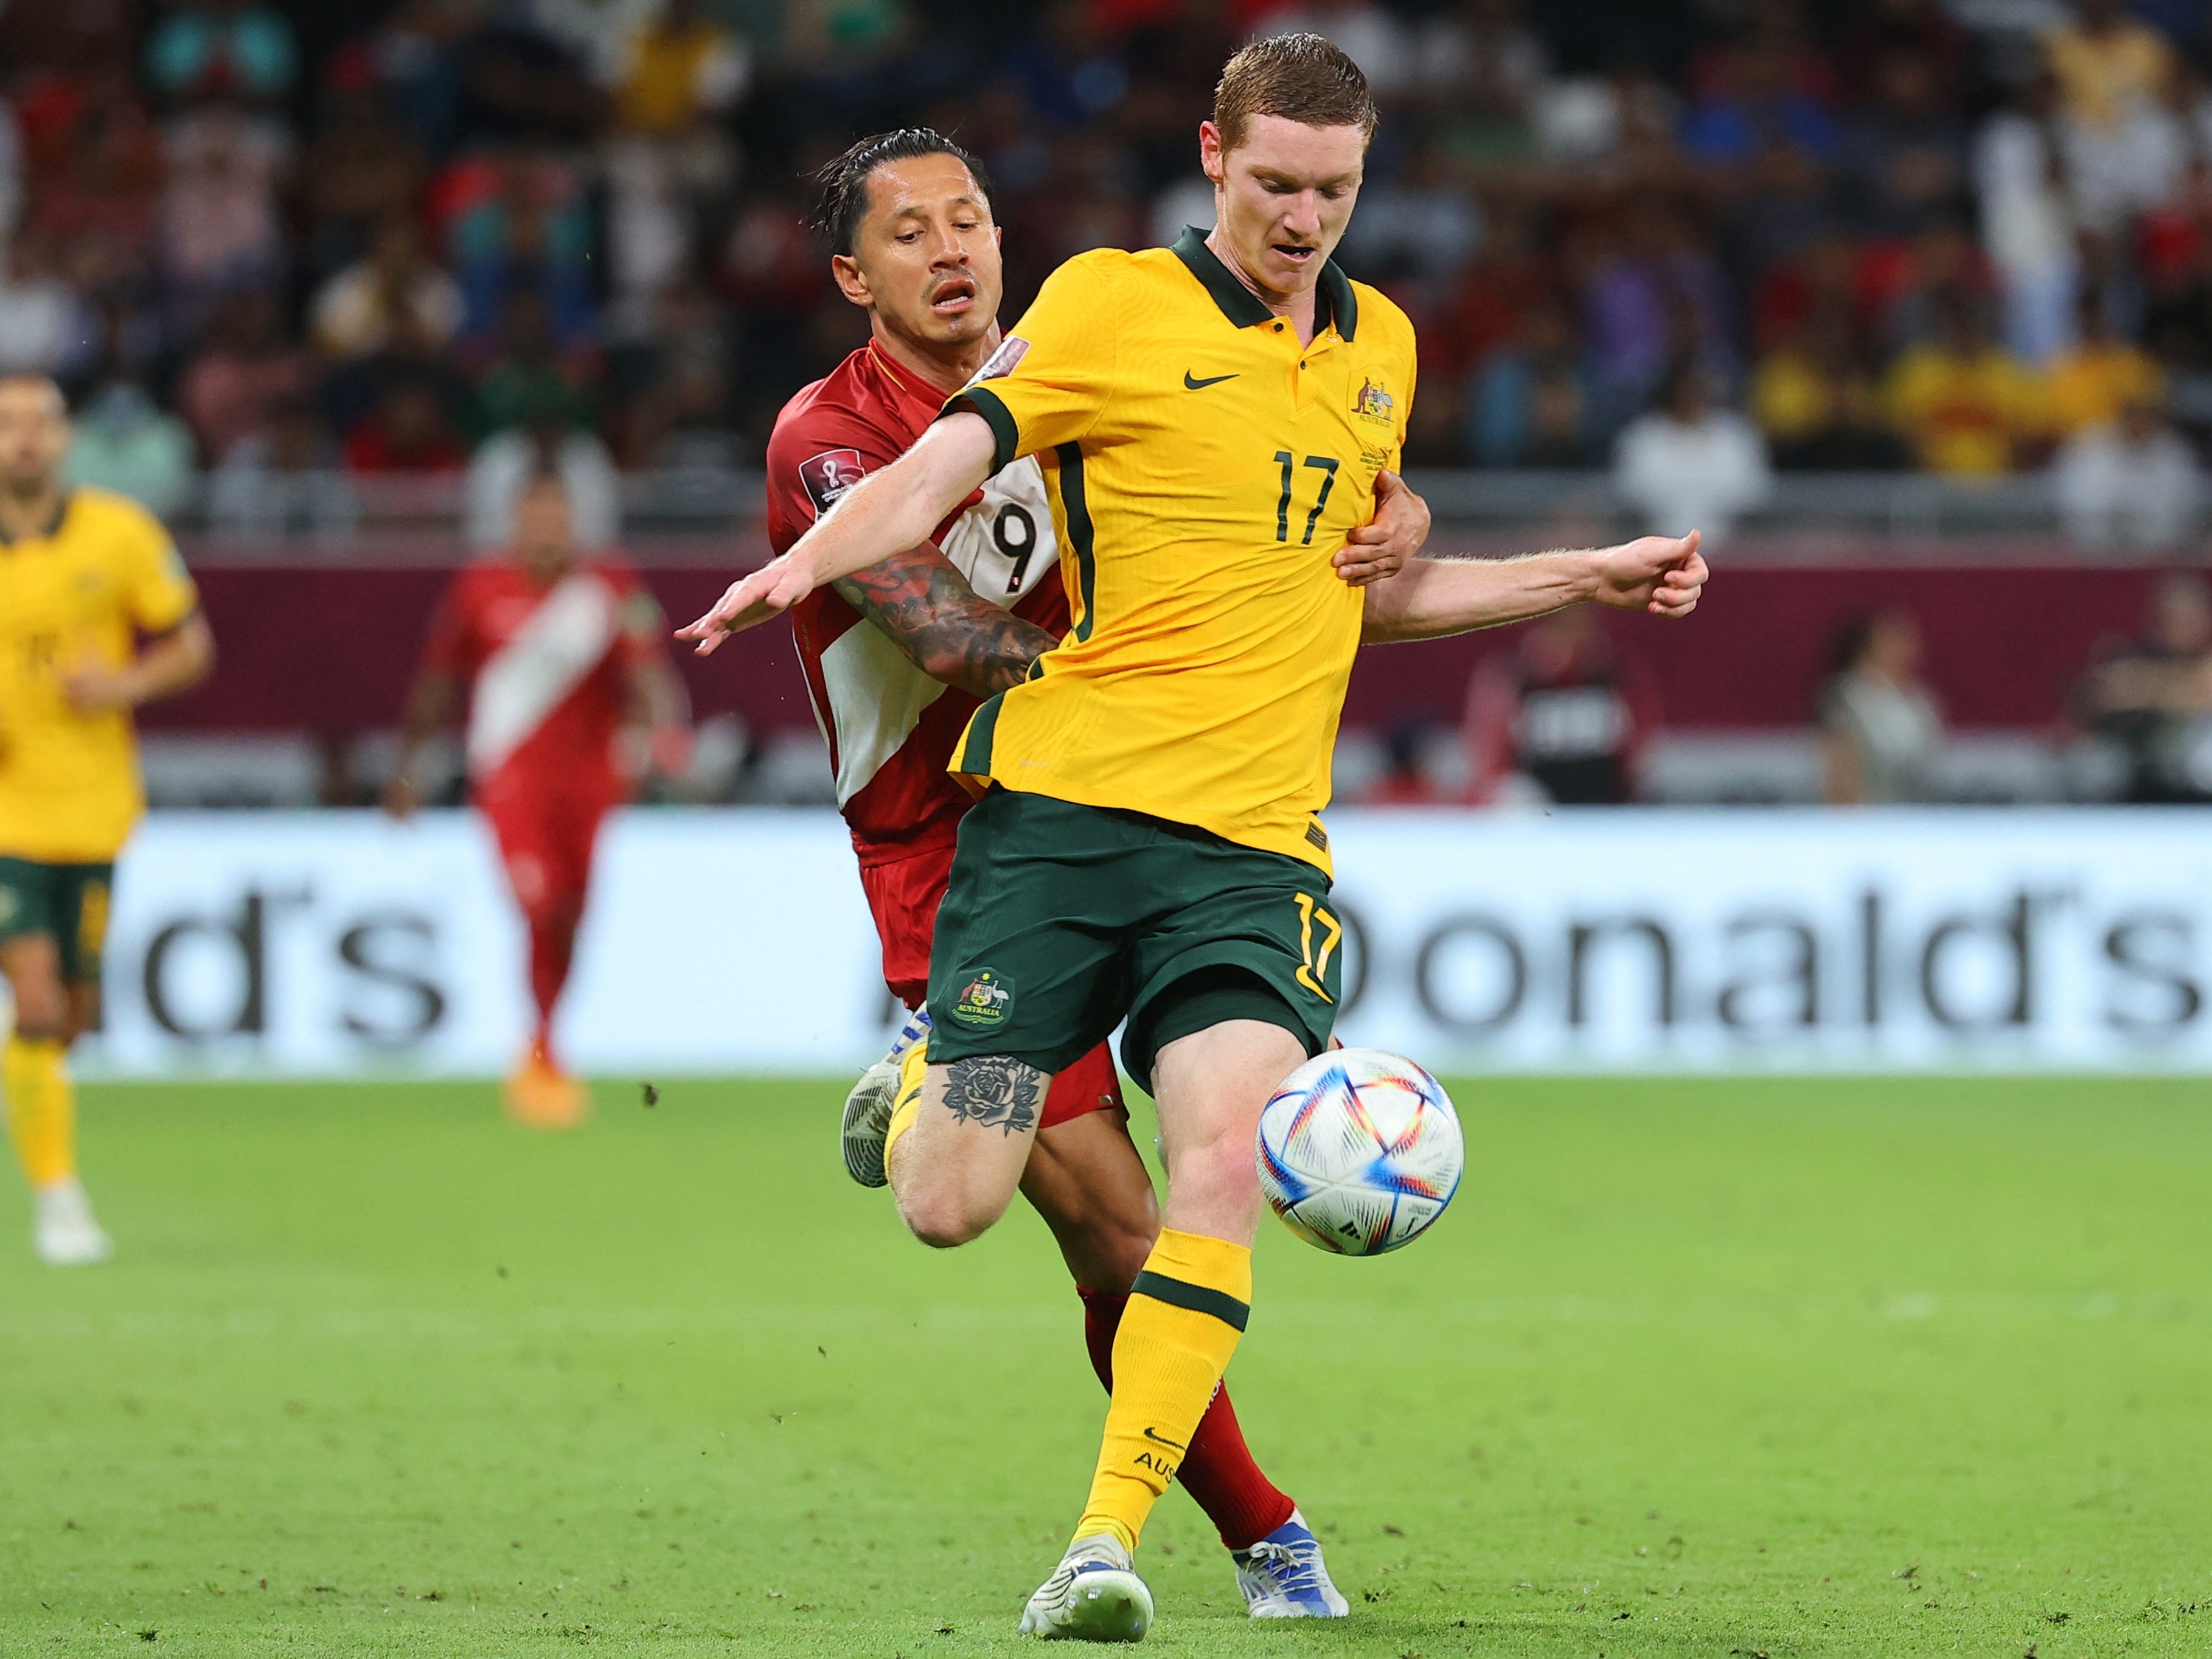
point(914, 1067)
point(1185, 1314)
point(41, 1108)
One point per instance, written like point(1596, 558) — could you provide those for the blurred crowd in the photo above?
point(1709, 242)
point(2144, 703)
point(1561, 713)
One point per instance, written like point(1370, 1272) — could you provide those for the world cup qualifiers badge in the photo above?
point(984, 1000)
point(1374, 404)
point(827, 476)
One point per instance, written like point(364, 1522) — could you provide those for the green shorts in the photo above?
point(66, 901)
point(1063, 921)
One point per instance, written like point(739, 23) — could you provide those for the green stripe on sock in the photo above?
point(1178, 1293)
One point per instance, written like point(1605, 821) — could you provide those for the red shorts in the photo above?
point(547, 827)
point(904, 895)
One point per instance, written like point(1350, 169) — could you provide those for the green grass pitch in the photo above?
point(1748, 1368)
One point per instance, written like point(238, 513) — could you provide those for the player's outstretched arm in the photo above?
point(1431, 598)
point(942, 625)
point(1381, 547)
point(886, 512)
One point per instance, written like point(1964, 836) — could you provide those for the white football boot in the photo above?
point(1093, 1596)
point(867, 1116)
point(64, 1232)
point(1283, 1576)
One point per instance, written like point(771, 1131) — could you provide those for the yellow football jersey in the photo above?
point(1203, 469)
point(104, 572)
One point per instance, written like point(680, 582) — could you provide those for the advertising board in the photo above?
point(736, 941)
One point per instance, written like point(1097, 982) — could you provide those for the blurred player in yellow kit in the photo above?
point(97, 615)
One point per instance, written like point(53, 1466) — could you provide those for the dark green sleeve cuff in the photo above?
point(1005, 433)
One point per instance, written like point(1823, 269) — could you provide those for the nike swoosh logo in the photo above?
point(1190, 385)
point(1161, 1439)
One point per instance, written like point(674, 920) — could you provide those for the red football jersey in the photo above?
point(891, 727)
point(550, 690)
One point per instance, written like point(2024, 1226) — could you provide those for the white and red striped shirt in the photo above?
point(891, 727)
point(548, 666)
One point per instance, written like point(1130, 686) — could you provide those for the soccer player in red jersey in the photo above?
point(897, 658)
point(564, 658)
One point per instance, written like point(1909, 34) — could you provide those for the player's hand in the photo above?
point(769, 592)
point(401, 797)
point(1381, 547)
point(1662, 574)
point(93, 688)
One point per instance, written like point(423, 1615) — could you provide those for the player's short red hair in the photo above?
point(1298, 77)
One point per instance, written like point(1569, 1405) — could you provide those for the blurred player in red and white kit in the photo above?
point(1561, 715)
point(564, 658)
point(897, 658)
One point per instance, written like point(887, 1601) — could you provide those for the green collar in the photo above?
point(1333, 300)
point(54, 525)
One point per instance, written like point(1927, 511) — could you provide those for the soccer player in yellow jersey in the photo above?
point(1210, 419)
point(85, 577)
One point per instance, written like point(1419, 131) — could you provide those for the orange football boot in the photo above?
point(539, 1094)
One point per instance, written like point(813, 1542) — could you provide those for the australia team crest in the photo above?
point(985, 1000)
point(1374, 404)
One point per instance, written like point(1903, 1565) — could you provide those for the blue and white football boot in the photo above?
point(867, 1116)
point(1283, 1576)
point(1093, 1596)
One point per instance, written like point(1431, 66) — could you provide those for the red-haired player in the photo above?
point(896, 657)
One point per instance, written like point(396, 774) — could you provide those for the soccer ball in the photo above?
point(1359, 1150)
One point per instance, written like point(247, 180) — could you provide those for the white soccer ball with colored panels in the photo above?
point(1359, 1150)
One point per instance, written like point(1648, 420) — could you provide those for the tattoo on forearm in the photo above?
point(932, 614)
point(994, 1092)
